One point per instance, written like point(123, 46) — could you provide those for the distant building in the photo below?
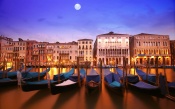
point(29, 51)
point(85, 51)
point(146, 47)
point(4, 43)
point(172, 47)
point(111, 48)
point(64, 53)
point(39, 54)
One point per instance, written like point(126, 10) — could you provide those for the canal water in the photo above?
point(14, 98)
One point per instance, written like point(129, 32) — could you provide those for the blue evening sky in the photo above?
point(57, 20)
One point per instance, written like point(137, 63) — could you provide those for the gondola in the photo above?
point(171, 87)
point(69, 84)
point(28, 70)
point(13, 74)
point(63, 76)
point(92, 81)
point(30, 76)
point(37, 85)
point(152, 80)
point(33, 76)
point(3, 72)
point(135, 84)
point(7, 82)
point(112, 81)
point(131, 78)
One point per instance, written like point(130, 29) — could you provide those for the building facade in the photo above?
point(40, 54)
point(172, 47)
point(147, 47)
point(85, 51)
point(5, 47)
point(29, 52)
point(65, 53)
point(111, 48)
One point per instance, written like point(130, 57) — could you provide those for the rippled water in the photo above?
point(15, 98)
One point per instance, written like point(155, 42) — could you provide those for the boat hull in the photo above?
point(8, 83)
point(60, 89)
point(152, 92)
point(118, 90)
point(30, 87)
point(92, 86)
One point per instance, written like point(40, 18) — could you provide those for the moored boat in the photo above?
point(69, 84)
point(112, 81)
point(92, 81)
point(135, 84)
point(37, 85)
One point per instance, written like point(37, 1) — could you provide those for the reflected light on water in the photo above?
point(79, 99)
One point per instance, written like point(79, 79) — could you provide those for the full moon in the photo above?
point(77, 6)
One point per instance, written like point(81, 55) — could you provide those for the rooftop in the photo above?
point(112, 33)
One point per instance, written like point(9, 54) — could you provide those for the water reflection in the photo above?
point(63, 98)
point(39, 95)
point(14, 98)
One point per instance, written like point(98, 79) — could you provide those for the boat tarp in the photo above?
point(120, 72)
point(74, 77)
point(144, 85)
point(112, 77)
point(34, 74)
point(65, 83)
point(93, 76)
point(106, 72)
point(171, 84)
point(64, 75)
point(115, 84)
point(130, 78)
point(151, 77)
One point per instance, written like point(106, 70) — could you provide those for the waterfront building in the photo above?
point(39, 54)
point(172, 48)
point(19, 52)
point(64, 53)
point(111, 48)
point(29, 52)
point(85, 51)
point(4, 47)
point(147, 47)
point(50, 53)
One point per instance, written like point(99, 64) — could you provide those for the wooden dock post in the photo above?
point(147, 69)
point(167, 90)
point(126, 78)
point(59, 70)
point(123, 71)
point(35, 64)
point(100, 73)
point(4, 72)
point(39, 68)
point(134, 68)
point(78, 68)
point(156, 63)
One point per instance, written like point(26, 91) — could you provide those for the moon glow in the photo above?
point(77, 6)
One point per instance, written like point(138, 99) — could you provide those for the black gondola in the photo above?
point(92, 81)
point(37, 85)
point(112, 81)
point(135, 84)
point(69, 84)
